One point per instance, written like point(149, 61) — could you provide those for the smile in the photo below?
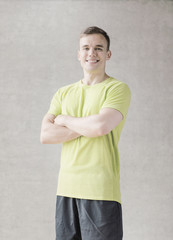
point(92, 61)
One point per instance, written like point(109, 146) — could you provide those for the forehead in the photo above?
point(93, 39)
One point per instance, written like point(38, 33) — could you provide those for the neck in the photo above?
point(94, 78)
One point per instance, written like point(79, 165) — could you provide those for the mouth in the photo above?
point(92, 61)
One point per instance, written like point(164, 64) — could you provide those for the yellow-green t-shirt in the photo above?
point(90, 167)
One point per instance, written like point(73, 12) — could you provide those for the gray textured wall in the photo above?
point(38, 54)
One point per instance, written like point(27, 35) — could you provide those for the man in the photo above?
point(87, 117)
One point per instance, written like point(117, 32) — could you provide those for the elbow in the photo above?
point(43, 139)
point(102, 130)
point(46, 139)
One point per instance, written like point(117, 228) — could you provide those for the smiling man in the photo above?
point(88, 117)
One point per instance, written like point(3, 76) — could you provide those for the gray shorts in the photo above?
point(83, 219)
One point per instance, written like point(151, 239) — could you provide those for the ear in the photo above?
point(78, 55)
point(109, 54)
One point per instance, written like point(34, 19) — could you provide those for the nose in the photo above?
point(92, 52)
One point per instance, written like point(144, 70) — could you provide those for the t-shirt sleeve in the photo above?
point(55, 105)
point(118, 97)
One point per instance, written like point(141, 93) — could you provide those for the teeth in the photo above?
point(91, 61)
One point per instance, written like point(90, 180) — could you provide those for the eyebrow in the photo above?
point(98, 45)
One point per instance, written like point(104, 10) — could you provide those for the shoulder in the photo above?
point(65, 89)
point(117, 85)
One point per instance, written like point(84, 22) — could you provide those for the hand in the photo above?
point(60, 120)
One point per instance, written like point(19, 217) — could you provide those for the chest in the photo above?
point(83, 102)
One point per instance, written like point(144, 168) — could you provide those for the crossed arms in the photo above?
point(65, 128)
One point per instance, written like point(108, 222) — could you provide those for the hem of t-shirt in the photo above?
point(89, 198)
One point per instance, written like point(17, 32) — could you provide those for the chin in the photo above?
point(90, 67)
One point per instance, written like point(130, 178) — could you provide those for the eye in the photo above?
point(99, 49)
point(86, 48)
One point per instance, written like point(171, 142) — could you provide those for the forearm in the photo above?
point(52, 134)
point(90, 126)
point(93, 125)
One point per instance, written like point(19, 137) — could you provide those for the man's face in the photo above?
point(93, 53)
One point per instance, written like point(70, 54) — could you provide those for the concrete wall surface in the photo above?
point(38, 54)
